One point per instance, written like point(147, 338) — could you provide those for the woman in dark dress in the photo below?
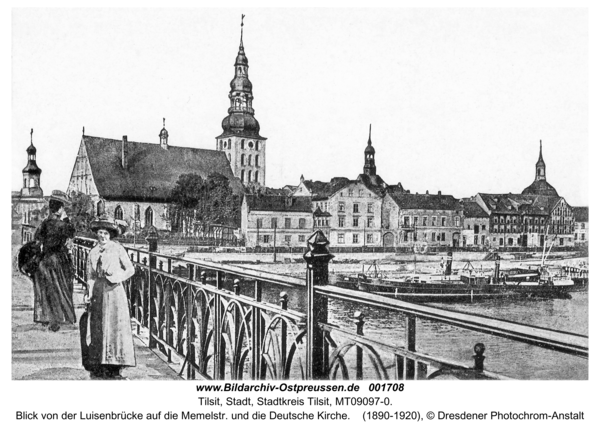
point(53, 280)
point(109, 332)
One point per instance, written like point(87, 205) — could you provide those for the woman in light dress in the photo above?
point(109, 331)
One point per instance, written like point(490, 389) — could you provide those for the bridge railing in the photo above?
point(212, 320)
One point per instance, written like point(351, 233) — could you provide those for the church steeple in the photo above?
point(164, 137)
point(241, 139)
point(540, 167)
point(370, 168)
point(31, 173)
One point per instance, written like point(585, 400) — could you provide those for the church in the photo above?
point(132, 181)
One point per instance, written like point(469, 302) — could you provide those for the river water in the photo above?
point(503, 356)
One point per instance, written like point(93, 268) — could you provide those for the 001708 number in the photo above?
point(389, 386)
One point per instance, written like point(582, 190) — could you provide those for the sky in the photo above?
point(458, 99)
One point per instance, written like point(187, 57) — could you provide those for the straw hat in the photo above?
point(105, 222)
point(60, 196)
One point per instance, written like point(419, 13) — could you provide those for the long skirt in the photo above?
point(111, 341)
point(53, 290)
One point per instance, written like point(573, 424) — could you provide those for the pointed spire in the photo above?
point(242, 35)
point(31, 138)
point(83, 131)
point(369, 142)
point(541, 159)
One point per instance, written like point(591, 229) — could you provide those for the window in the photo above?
point(301, 238)
point(242, 176)
point(369, 237)
point(287, 238)
point(370, 208)
point(341, 207)
point(433, 237)
point(243, 159)
point(405, 236)
point(100, 207)
point(424, 221)
point(350, 193)
point(476, 229)
point(510, 241)
point(242, 144)
point(229, 144)
point(256, 176)
point(443, 221)
point(482, 227)
point(355, 238)
point(360, 193)
point(562, 241)
point(415, 221)
point(482, 239)
point(249, 176)
point(302, 223)
point(582, 225)
point(136, 212)
point(443, 237)
point(457, 221)
point(406, 221)
point(266, 238)
point(370, 222)
point(273, 222)
point(355, 208)
point(258, 222)
point(249, 160)
point(250, 145)
point(582, 236)
point(501, 242)
point(341, 238)
point(149, 217)
point(433, 220)
point(118, 213)
point(475, 240)
point(355, 221)
point(287, 223)
point(257, 147)
point(575, 236)
point(341, 221)
point(256, 160)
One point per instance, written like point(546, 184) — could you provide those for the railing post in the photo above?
point(257, 335)
point(410, 345)
point(151, 304)
point(478, 357)
point(189, 329)
point(317, 259)
point(152, 240)
point(359, 321)
point(219, 363)
point(283, 299)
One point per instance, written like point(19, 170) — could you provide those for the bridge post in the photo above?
point(478, 357)
point(317, 259)
point(152, 240)
point(359, 320)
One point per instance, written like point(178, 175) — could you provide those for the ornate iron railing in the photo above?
point(193, 313)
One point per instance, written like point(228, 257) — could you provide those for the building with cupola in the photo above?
point(240, 140)
point(28, 204)
point(540, 185)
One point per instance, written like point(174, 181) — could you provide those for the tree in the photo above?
point(197, 203)
point(81, 212)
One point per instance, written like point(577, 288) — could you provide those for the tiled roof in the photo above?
point(322, 190)
point(273, 203)
point(519, 203)
point(151, 170)
point(425, 201)
point(541, 187)
point(473, 210)
point(581, 213)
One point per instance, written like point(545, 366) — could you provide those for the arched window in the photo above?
point(249, 160)
point(118, 212)
point(24, 183)
point(31, 182)
point(242, 176)
point(100, 207)
point(256, 176)
point(257, 146)
point(256, 160)
point(243, 159)
point(136, 212)
point(229, 144)
point(242, 144)
point(249, 176)
point(149, 217)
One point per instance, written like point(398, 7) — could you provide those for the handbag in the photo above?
point(29, 258)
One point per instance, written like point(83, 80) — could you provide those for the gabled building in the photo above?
point(132, 181)
point(475, 225)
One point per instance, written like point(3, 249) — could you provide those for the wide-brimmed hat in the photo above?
point(60, 196)
point(105, 222)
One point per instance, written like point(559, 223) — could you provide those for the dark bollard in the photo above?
point(152, 240)
point(478, 356)
point(448, 271)
point(317, 273)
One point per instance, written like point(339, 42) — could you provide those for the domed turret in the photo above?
point(370, 168)
point(540, 186)
point(31, 174)
point(163, 136)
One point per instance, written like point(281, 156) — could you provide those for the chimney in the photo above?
point(439, 193)
point(427, 192)
point(124, 152)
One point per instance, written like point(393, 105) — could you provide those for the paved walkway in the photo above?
point(39, 354)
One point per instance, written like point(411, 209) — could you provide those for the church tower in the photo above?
point(540, 167)
point(370, 169)
point(31, 174)
point(241, 139)
point(164, 137)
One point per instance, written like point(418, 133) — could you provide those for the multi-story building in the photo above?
point(276, 220)
point(581, 218)
point(475, 226)
point(415, 219)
